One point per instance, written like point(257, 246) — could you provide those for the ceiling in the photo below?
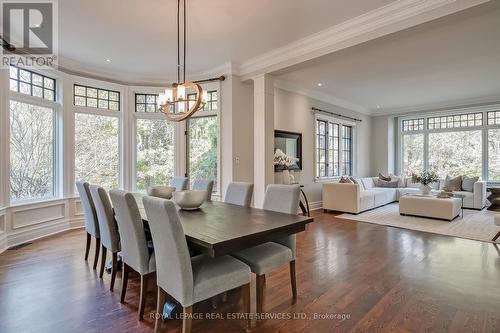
point(140, 36)
point(454, 60)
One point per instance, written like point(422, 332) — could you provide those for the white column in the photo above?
point(263, 136)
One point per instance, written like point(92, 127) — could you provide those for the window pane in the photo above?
point(202, 142)
point(346, 150)
point(455, 153)
point(155, 153)
point(413, 154)
point(494, 155)
point(31, 151)
point(96, 149)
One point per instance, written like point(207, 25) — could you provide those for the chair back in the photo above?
point(204, 185)
point(106, 218)
point(239, 193)
point(180, 183)
point(91, 224)
point(174, 272)
point(130, 226)
point(283, 199)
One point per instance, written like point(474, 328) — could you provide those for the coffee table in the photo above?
point(494, 198)
point(430, 206)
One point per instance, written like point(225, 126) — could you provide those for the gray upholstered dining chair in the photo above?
point(110, 239)
point(180, 183)
point(134, 248)
point(189, 280)
point(266, 257)
point(204, 185)
point(91, 224)
point(239, 193)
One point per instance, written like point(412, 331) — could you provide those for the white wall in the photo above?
point(292, 112)
point(383, 145)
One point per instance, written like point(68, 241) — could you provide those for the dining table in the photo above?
point(219, 228)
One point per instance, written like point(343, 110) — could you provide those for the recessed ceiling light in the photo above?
point(320, 84)
point(108, 60)
point(378, 106)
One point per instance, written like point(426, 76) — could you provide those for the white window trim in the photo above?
point(56, 106)
point(340, 121)
point(449, 112)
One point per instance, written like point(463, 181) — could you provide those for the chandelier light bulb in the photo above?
point(181, 91)
point(169, 95)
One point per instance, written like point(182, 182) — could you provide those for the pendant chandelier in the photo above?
point(174, 103)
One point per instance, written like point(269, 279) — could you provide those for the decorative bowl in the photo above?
point(190, 199)
point(164, 192)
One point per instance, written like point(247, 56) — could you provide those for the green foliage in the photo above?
point(203, 148)
point(425, 178)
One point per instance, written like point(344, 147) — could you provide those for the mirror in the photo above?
point(291, 144)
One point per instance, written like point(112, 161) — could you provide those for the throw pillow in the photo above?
point(385, 178)
point(400, 179)
point(468, 183)
point(345, 180)
point(353, 180)
point(388, 184)
point(452, 184)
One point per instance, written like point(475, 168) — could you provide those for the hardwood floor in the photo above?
point(384, 279)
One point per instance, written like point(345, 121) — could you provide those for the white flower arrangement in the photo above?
point(282, 159)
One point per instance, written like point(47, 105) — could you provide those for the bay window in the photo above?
point(97, 135)
point(32, 151)
point(155, 152)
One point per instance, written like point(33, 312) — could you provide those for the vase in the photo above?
point(286, 177)
point(425, 189)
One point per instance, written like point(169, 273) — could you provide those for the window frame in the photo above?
point(449, 112)
point(57, 150)
point(119, 114)
point(98, 87)
point(341, 122)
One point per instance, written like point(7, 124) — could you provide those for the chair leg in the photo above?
point(245, 293)
point(496, 237)
point(125, 271)
point(187, 319)
point(160, 301)
point(293, 279)
point(260, 292)
point(87, 247)
point(97, 248)
point(113, 271)
point(103, 260)
point(144, 291)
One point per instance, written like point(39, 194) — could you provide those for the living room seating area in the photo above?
point(366, 194)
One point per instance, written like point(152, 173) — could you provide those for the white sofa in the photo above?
point(357, 198)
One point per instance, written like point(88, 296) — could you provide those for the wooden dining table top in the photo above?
point(219, 228)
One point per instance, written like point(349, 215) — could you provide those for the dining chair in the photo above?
point(180, 183)
point(135, 252)
point(189, 280)
point(204, 185)
point(91, 224)
point(239, 193)
point(266, 257)
point(110, 239)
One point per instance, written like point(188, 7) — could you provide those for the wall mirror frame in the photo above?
point(291, 144)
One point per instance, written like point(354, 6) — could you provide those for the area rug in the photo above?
point(476, 225)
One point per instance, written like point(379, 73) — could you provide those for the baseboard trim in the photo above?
point(42, 232)
point(3, 243)
point(316, 205)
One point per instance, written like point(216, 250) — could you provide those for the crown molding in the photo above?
point(388, 19)
point(76, 68)
point(327, 98)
